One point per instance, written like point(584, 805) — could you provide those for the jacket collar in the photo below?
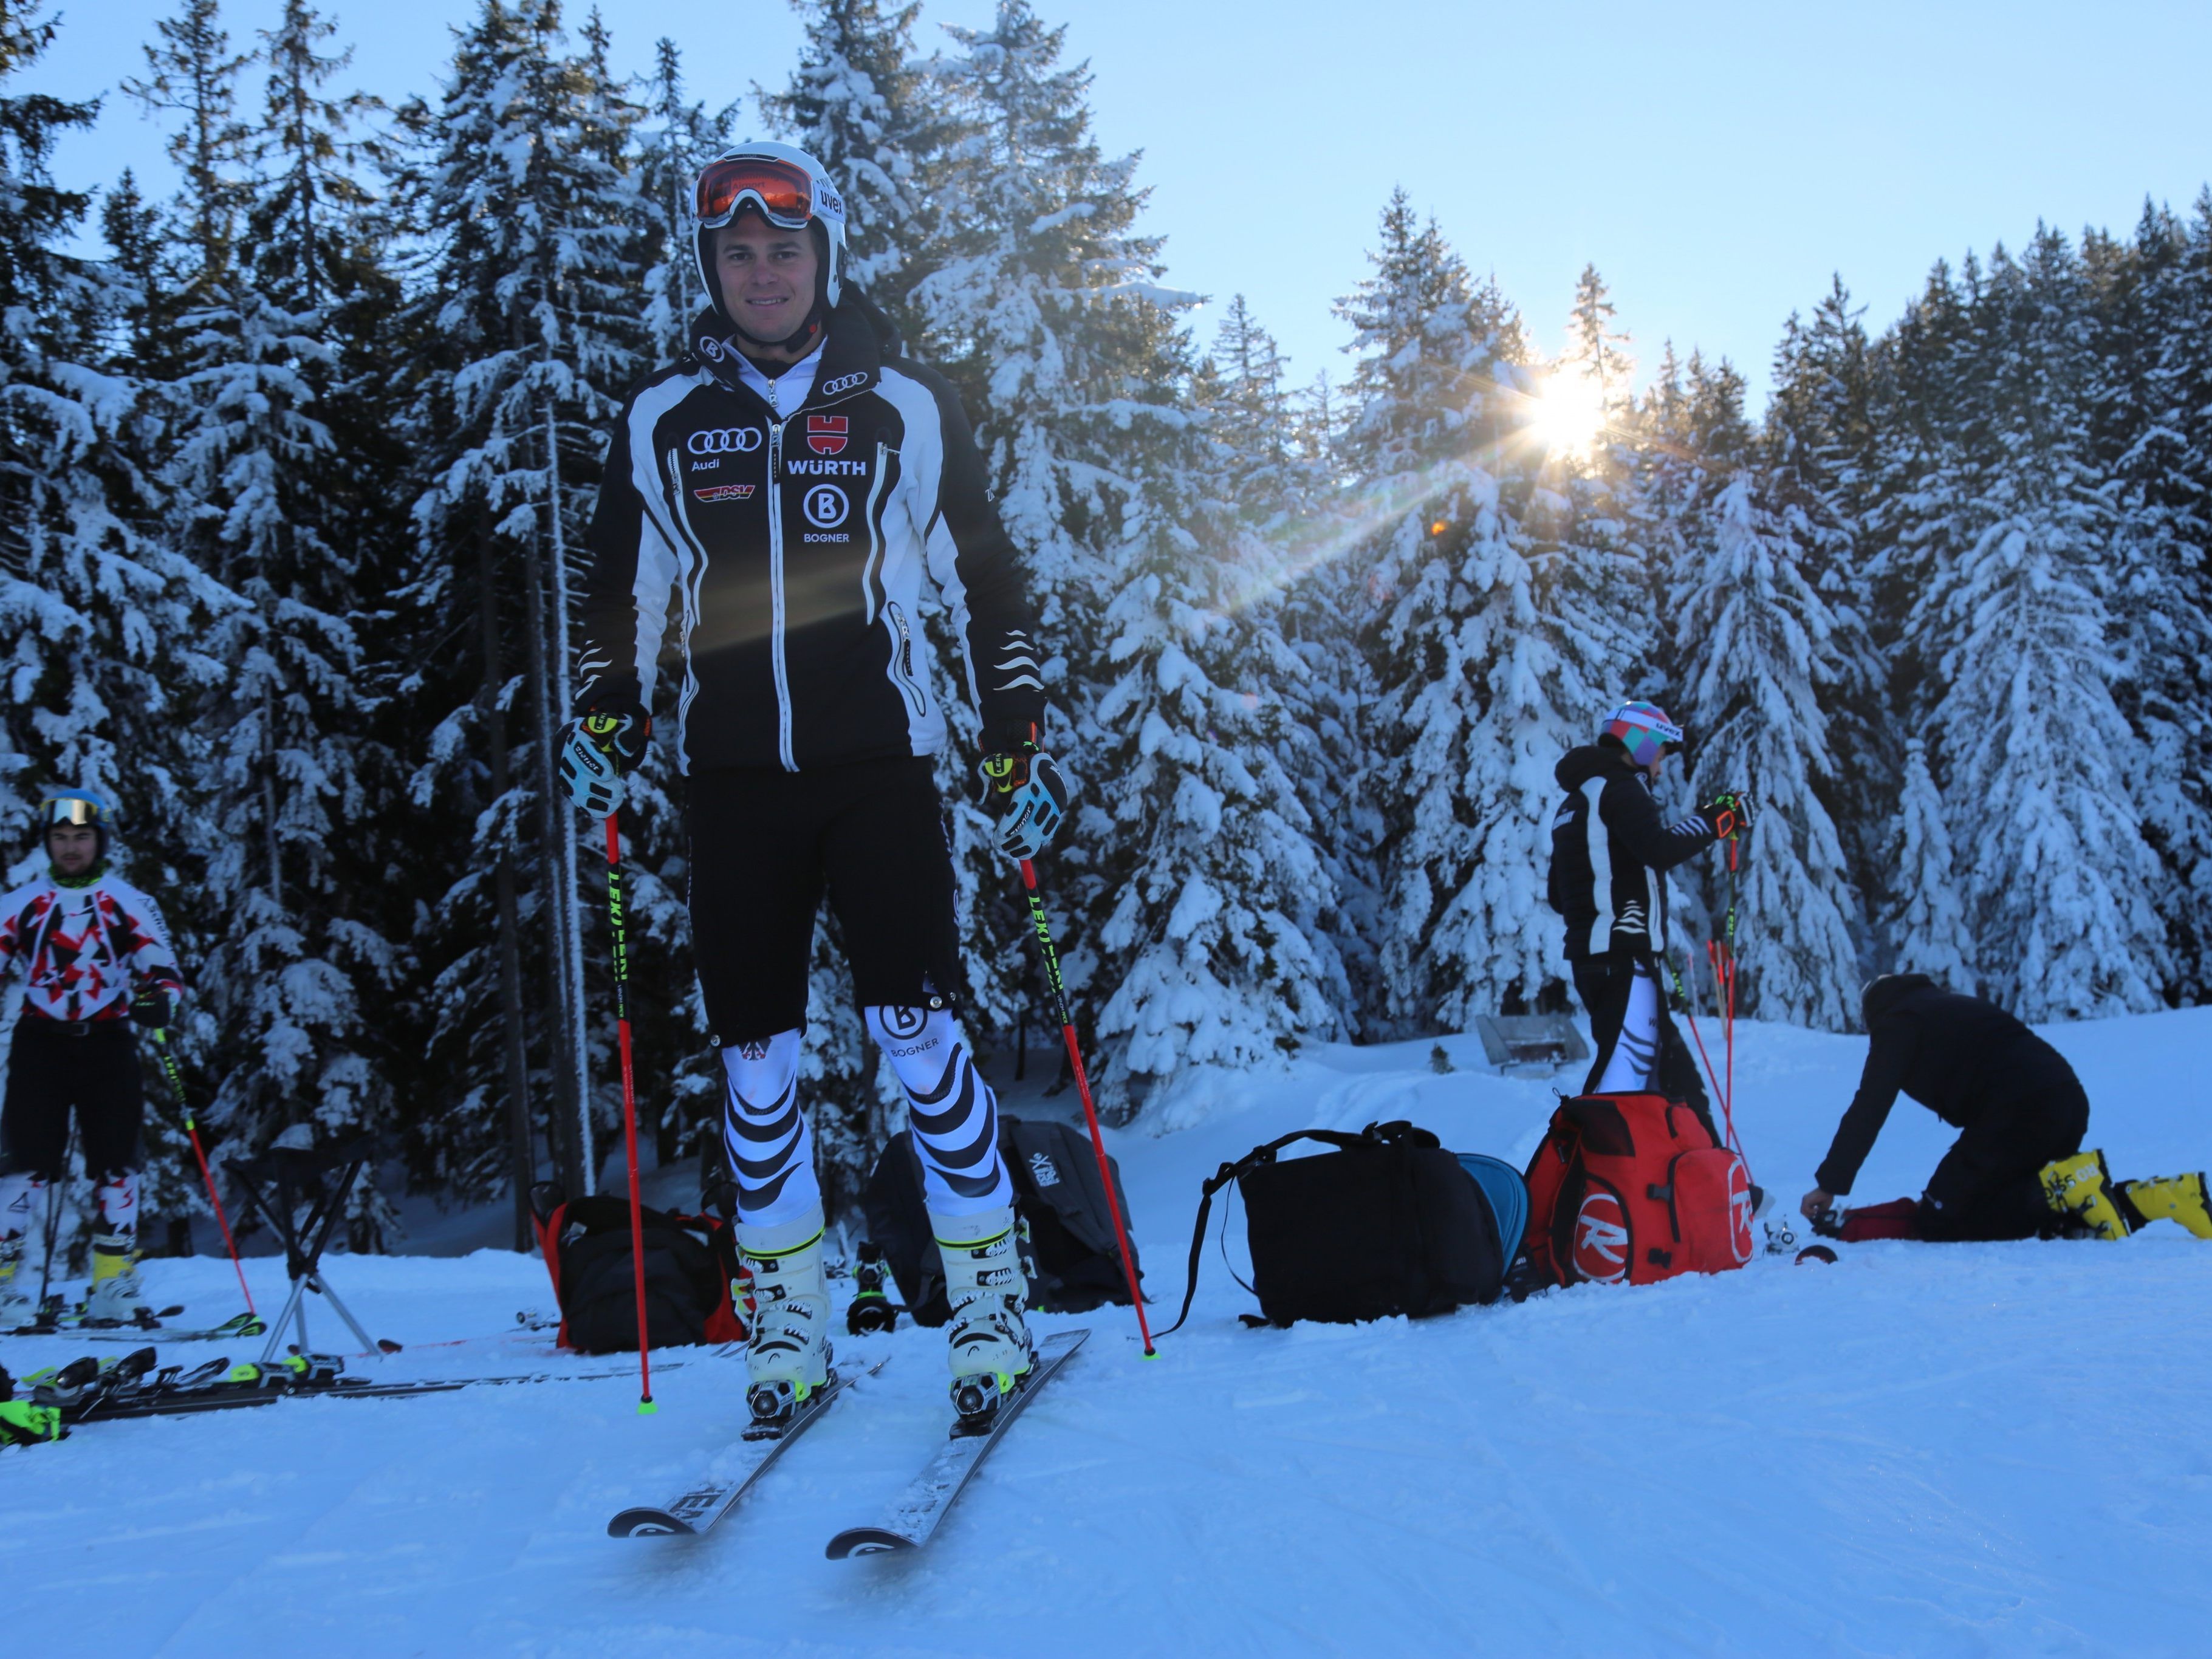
point(852, 359)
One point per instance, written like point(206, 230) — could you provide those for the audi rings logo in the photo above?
point(725, 440)
point(825, 507)
point(843, 383)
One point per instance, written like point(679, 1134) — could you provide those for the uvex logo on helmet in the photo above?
point(1600, 1238)
point(725, 440)
point(826, 434)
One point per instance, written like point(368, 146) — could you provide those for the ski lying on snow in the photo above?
point(932, 1492)
point(172, 1401)
point(72, 1321)
point(710, 1500)
point(244, 1324)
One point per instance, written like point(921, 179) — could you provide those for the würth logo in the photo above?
point(825, 434)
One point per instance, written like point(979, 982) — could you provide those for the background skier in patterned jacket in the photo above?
point(95, 958)
point(793, 485)
point(1611, 850)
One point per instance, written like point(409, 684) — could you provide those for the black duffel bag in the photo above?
point(1387, 1222)
point(691, 1262)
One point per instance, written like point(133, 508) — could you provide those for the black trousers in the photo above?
point(1986, 1186)
point(766, 845)
point(1602, 982)
point(51, 1070)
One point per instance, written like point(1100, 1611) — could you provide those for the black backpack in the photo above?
point(1070, 1256)
point(1426, 1237)
point(691, 1262)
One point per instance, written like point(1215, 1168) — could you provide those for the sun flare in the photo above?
point(1570, 411)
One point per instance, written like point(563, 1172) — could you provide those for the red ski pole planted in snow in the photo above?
point(1082, 1088)
point(630, 1108)
point(177, 1088)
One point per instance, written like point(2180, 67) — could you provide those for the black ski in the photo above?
point(243, 1325)
point(713, 1498)
point(932, 1492)
point(216, 1387)
point(70, 1321)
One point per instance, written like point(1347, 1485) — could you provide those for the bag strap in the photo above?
point(1375, 1134)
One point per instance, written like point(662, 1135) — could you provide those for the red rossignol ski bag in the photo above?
point(1630, 1189)
point(690, 1264)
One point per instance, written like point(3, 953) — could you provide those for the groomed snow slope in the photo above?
point(1968, 1449)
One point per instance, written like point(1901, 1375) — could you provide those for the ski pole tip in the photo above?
point(647, 1408)
point(1151, 1354)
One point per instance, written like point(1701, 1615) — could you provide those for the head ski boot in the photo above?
point(2173, 1198)
point(989, 1340)
point(2079, 1188)
point(787, 1352)
point(117, 1297)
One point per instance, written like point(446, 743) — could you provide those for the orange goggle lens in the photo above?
point(783, 191)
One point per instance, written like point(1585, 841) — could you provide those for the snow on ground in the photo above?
point(1968, 1449)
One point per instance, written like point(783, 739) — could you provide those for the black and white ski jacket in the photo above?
point(793, 523)
point(1609, 850)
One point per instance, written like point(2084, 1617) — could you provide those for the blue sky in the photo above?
point(1717, 162)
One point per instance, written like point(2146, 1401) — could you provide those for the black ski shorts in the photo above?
point(765, 847)
point(1602, 982)
point(51, 1068)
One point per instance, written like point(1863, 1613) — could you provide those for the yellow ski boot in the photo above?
point(2077, 1186)
point(2173, 1198)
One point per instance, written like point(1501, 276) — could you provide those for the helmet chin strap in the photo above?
point(809, 329)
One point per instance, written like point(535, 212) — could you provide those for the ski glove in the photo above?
point(597, 747)
point(155, 1008)
point(1028, 792)
point(1727, 815)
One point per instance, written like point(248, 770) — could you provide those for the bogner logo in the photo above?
point(1600, 1238)
point(825, 507)
point(725, 493)
point(826, 434)
point(843, 383)
point(729, 440)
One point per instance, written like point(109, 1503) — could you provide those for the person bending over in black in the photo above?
point(2017, 1170)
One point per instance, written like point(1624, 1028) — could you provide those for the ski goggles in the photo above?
point(782, 190)
point(79, 810)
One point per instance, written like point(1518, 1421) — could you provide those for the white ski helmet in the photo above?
point(787, 187)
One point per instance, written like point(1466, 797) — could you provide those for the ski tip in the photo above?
point(647, 1523)
point(866, 1541)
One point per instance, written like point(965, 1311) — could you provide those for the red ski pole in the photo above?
point(177, 1090)
point(1082, 1088)
point(629, 1109)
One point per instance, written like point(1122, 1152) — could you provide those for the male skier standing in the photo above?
point(96, 957)
point(794, 482)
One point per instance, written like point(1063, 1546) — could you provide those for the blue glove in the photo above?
point(597, 747)
point(1025, 787)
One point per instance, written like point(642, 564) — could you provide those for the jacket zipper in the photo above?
point(775, 592)
point(902, 658)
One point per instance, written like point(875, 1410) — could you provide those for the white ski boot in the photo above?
point(787, 1352)
point(117, 1297)
point(989, 1340)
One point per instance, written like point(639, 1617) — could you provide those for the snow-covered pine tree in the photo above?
point(1818, 442)
point(521, 189)
point(1756, 658)
point(1046, 311)
point(676, 138)
point(2041, 776)
point(1218, 944)
point(1928, 927)
point(2151, 403)
point(256, 487)
point(872, 113)
point(1482, 688)
point(100, 616)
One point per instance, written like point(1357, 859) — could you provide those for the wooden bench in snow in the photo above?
point(1529, 1045)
